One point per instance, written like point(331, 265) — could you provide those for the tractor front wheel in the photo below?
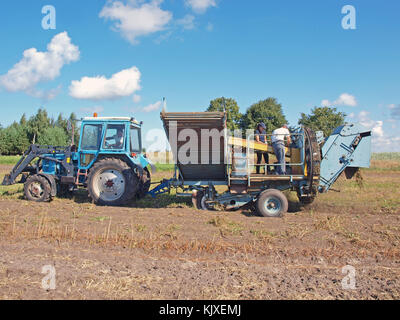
point(37, 188)
point(112, 182)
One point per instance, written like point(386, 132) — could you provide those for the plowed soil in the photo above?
point(165, 249)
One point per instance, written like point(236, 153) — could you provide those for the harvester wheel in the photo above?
point(199, 199)
point(272, 203)
point(112, 182)
point(144, 184)
point(37, 188)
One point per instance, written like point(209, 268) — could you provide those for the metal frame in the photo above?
point(250, 138)
point(228, 198)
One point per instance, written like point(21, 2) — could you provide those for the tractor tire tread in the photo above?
point(46, 188)
point(132, 181)
point(260, 206)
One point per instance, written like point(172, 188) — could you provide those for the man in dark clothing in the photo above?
point(261, 137)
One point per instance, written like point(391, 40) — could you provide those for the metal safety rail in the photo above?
point(250, 144)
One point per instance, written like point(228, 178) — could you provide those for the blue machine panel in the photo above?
point(348, 146)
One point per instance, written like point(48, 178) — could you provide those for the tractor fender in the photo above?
point(138, 170)
point(52, 182)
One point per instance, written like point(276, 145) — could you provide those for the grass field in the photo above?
point(12, 160)
point(386, 156)
point(165, 249)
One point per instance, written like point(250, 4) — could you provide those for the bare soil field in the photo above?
point(165, 249)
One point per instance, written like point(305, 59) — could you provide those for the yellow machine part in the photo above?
point(259, 146)
point(292, 153)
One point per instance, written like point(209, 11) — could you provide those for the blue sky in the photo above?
point(121, 58)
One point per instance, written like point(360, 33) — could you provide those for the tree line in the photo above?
point(38, 129)
point(270, 112)
point(44, 130)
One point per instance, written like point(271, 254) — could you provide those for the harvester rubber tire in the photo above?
point(144, 184)
point(272, 203)
point(117, 169)
point(198, 201)
point(42, 189)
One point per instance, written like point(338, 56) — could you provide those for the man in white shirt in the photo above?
point(278, 143)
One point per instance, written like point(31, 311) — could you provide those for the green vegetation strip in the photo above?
point(386, 156)
point(12, 160)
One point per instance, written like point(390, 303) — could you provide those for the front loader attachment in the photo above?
point(33, 152)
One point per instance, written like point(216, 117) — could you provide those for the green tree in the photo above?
point(232, 110)
point(23, 120)
point(13, 140)
point(4, 142)
point(324, 119)
point(37, 124)
point(74, 122)
point(55, 136)
point(268, 111)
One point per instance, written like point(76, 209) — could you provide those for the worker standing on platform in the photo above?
point(278, 144)
point(261, 137)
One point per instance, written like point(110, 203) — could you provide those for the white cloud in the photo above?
point(121, 84)
point(377, 130)
point(187, 22)
point(365, 120)
point(136, 98)
point(344, 99)
point(37, 66)
point(94, 109)
point(200, 6)
point(395, 111)
point(152, 107)
point(163, 37)
point(210, 27)
point(136, 19)
point(45, 95)
point(381, 141)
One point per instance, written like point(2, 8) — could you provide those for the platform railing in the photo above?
point(251, 152)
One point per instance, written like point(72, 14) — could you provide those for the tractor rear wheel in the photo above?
point(272, 203)
point(37, 188)
point(144, 184)
point(112, 182)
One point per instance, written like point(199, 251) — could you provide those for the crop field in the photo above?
point(165, 249)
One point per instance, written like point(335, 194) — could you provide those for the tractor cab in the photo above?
point(110, 136)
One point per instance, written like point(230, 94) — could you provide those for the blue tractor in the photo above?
point(108, 162)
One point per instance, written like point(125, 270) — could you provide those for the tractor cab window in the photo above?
point(91, 137)
point(135, 140)
point(115, 137)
